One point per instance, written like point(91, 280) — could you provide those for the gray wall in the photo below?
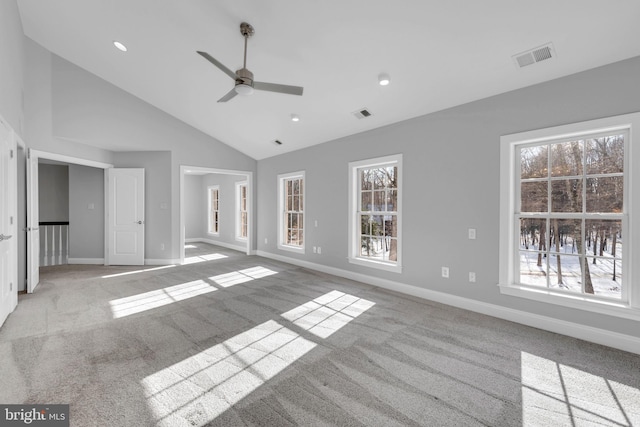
point(53, 187)
point(86, 212)
point(195, 205)
point(12, 65)
point(451, 183)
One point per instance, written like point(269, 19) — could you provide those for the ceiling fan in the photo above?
point(245, 84)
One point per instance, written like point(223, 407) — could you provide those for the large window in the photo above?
point(213, 212)
point(241, 210)
point(291, 211)
point(375, 212)
point(567, 239)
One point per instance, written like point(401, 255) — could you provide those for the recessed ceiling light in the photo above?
point(295, 118)
point(119, 46)
point(384, 79)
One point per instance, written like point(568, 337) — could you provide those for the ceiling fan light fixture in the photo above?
point(295, 118)
point(244, 89)
point(384, 79)
point(119, 46)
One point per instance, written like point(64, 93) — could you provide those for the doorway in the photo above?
point(224, 198)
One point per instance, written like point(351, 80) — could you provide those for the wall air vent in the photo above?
point(362, 113)
point(533, 56)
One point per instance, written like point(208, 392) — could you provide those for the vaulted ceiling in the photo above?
point(438, 54)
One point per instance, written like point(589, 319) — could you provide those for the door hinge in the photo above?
point(11, 154)
point(10, 220)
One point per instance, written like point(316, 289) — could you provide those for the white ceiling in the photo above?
point(438, 53)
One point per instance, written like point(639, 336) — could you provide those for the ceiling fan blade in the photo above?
point(218, 64)
point(274, 87)
point(229, 95)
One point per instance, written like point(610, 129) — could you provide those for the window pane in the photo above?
point(289, 187)
point(532, 231)
point(377, 225)
point(534, 162)
point(301, 201)
point(289, 203)
point(296, 203)
point(365, 180)
point(366, 201)
point(534, 196)
point(379, 178)
point(606, 277)
point(565, 273)
point(566, 195)
point(392, 175)
point(566, 158)
point(604, 194)
point(533, 269)
point(366, 248)
point(568, 232)
point(391, 226)
point(392, 200)
point(605, 155)
point(393, 249)
point(604, 237)
point(365, 226)
point(379, 200)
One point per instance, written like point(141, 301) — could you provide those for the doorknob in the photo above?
point(3, 237)
point(139, 222)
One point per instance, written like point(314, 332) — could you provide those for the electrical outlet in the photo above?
point(315, 250)
point(472, 234)
point(472, 277)
point(319, 250)
point(265, 240)
point(162, 246)
point(445, 272)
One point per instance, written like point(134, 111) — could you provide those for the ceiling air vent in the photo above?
point(362, 113)
point(533, 56)
point(277, 141)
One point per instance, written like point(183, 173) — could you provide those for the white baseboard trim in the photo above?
point(217, 243)
point(161, 261)
point(88, 261)
point(587, 333)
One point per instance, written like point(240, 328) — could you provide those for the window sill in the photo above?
point(296, 249)
point(395, 268)
point(579, 302)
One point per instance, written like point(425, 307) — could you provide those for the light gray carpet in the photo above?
point(234, 340)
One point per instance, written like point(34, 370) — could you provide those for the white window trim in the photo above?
point(354, 223)
point(237, 211)
point(281, 204)
point(629, 309)
point(210, 210)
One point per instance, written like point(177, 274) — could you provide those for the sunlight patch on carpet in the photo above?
point(200, 388)
point(153, 299)
point(126, 273)
point(557, 394)
point(241, 276)
point(202, 258)
point(328, 313)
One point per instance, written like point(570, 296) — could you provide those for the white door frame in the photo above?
point(249, 178)
point(37, 154)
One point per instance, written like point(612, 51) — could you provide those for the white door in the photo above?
point(125, 216)
point(33, 223)
point(8, 223)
